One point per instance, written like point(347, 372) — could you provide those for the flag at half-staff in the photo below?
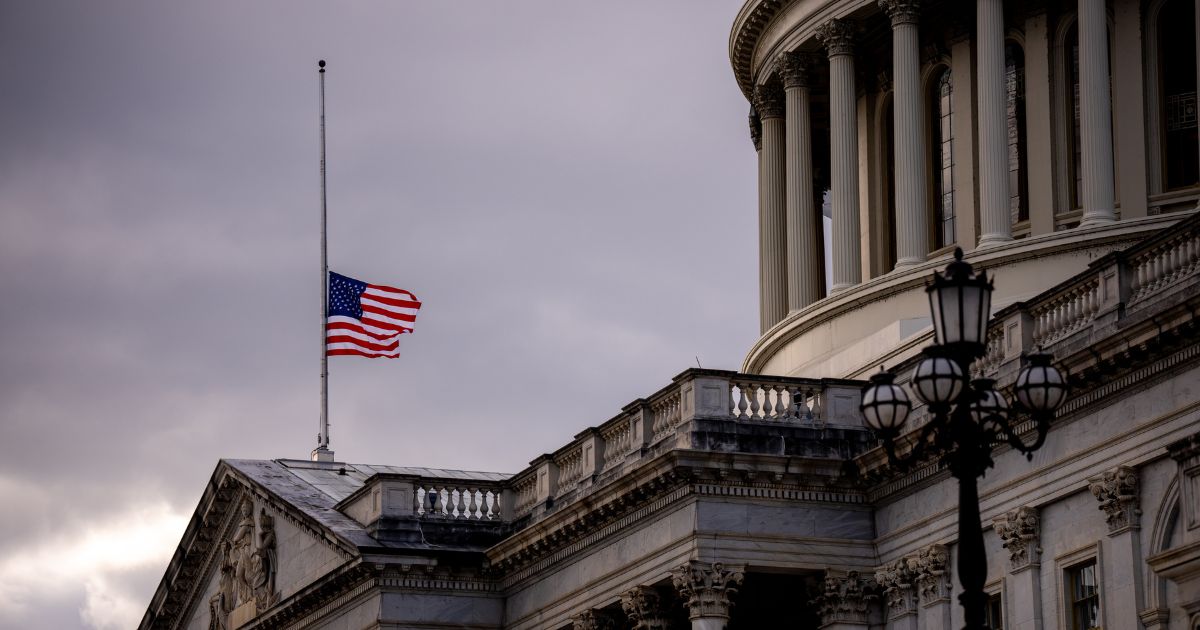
point(367, 319)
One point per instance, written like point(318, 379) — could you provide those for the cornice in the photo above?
point(668, 480)
point(1115, 368)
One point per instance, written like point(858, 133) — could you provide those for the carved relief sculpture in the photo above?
point(898, 581)
point(933, 574)
point(247, 567)
point(1019, 531)
point(846, 598)
point(593, 620)
point(644, 607)
point(707, 590)
point(1117, 491)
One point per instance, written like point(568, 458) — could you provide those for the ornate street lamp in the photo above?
point(967, 418)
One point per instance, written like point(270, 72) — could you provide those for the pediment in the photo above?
point(256, 537)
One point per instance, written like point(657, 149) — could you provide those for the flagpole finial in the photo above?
point(321, 65)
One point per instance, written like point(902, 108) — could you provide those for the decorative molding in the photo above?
point(901, 12)
point(1117, 491)
point(593, 620)
point(707, 589)
point(837, 36)
point(1020, 532)
point(845, 598)
point(645, 608)
point(933, 575)
point(898, 582)
point(796, 69)
point(768, 100)
point(755, 129)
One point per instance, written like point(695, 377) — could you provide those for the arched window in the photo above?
point(1076, 161)
point(941, 140)
point(1018, 175)
point(1176, 40)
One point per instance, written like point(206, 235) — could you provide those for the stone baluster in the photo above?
point(805, 264)
point(912, 198)
point(837, 36)
point(646, 609)
point(1095, 114)
point(898, 582)
point(1020, 533)
point(996, 223)
point(772, 211)
point(1118, 492)
point(707, 591)
point(845, 601)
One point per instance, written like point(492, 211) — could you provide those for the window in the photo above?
point(1076, 162)
point(1180, 153)
point(993, 614)
point(941, 111)
point(1083, 596)
point(1018, 177)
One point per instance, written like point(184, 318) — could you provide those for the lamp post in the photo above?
point(968, 418)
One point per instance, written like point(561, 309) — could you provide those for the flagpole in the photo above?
point(322, 452)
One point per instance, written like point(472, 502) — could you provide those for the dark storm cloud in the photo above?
point(568, 187)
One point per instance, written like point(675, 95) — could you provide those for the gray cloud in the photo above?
point(568, 187)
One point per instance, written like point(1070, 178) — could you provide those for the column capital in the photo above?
point(768, 100)
point(1020, 533)
point(901, 12)
point(593, 620)
point(933, 575)
point(755, 128)
point(898, 581)
point(837, 36)
point(796, 69)
point(707, 589)
point(1117, 492)
point(645, 608)
point(845, 598)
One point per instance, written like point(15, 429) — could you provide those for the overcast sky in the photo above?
point(569, 187)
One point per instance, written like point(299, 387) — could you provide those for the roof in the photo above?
point(315, 488)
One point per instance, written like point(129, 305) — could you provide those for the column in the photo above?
point(912, 196)
point(645, 609)
point(994, 216)
point(933, 586)
point(805, 266)
point(1020, 533)
point(707, 591)
point(898, 581)
point(1095, 114)
point(772, 218)
point(844, 603)
point(1117, 491)
point(838, 38)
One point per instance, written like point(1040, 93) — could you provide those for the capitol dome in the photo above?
point(1038, 136)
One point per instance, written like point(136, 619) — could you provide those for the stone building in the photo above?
point(1056, 142)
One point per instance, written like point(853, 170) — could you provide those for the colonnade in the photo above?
point(791, 261)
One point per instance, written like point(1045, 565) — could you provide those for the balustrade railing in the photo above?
point(1164, 264)
point(666, 410)
point(758, 399)
point(1068, 311)
point(618, 439)
point(570, 467)
point(457, 499)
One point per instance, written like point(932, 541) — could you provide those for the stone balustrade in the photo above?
point(1067, 312)
point(457, 499)
point(682, 415)
point(1164, 263)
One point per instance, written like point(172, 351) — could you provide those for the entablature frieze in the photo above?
point(670, 479)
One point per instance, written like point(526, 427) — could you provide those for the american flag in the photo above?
point(367, 319)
